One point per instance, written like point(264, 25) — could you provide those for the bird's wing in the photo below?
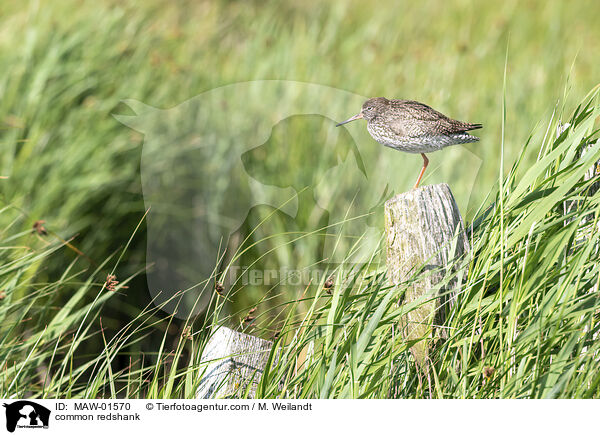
point(417, 119)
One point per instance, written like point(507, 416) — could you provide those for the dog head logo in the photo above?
point(26, 414)
point(211, 162)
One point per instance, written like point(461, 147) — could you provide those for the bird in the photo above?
point(412, 127)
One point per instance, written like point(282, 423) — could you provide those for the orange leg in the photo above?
point(425, 163)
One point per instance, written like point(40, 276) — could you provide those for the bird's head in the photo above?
point(370, 109)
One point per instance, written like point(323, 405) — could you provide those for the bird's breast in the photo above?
point(386, 136)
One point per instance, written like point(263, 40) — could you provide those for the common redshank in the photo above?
point(412, 127)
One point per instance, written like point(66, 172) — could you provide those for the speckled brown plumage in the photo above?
point(412, 127)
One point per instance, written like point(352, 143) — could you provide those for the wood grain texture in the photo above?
point(420, 227)
point(235, 361)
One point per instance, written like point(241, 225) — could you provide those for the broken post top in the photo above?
point(422, 192)
point(420, 225)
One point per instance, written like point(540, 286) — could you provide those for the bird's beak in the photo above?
point(354, 118)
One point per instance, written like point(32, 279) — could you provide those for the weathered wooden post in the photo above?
point(235, 362)
point(420, 227)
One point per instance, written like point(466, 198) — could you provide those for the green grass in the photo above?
point(525, 310)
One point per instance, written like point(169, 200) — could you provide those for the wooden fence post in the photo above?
point(420, 227)
point(235, 361)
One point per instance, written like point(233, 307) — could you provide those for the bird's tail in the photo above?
point(469, 126)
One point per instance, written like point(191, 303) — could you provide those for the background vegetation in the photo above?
point(66, 67)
